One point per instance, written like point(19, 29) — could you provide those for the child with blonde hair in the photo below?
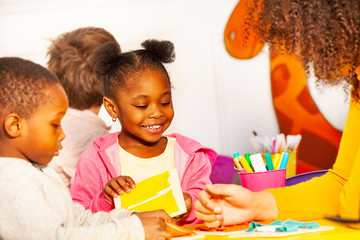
point(71, 60)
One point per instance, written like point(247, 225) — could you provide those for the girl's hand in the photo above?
point(117, 186)
point(188, 204)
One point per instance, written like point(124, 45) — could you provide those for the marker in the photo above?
point(277, 161)
point(258, 162)
point(273, 146)
point(289, 141)
point(269, 162)
point(282, 144)
point(247, 157)
point(261, 162)
point(236, 161)
point(254, 163)
point(244, 163)
point(297, 142)
point(284, 160)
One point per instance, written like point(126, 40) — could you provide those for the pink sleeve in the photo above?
point(195, 177)
point(90, 179)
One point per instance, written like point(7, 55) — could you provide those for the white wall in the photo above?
point(218, 100)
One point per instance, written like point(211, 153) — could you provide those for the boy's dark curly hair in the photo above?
point(22, 86)
point(324, 34)
point(117, 68)
point(71, 60)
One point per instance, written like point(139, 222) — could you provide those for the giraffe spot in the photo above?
point(322, 159)
point(285, 122)
point(280, 76)
point(306, 101)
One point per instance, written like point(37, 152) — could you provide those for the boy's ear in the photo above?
point(110, 107)
point(13, 125)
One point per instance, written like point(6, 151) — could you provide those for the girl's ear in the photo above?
point(13, 125)
point(110, 107)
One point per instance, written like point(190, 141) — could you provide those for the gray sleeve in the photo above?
point(26, 213)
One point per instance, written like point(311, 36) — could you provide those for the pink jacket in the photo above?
point(100, 162)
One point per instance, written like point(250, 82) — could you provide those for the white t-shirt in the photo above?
point(143, 168)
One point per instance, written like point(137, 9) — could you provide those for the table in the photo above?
point(341, 231)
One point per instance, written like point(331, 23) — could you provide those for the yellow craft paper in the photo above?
point(155, 193)
point(165, 202)
point(145, 189)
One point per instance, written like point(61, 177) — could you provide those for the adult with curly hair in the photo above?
point(325, 35)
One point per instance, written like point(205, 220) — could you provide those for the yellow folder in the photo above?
point(162, 191)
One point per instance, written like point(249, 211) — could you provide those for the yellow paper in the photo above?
point(162, 191)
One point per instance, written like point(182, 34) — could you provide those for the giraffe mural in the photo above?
point(296, 111)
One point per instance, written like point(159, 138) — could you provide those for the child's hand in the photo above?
point(188, 204)
point(117, 186)
point(155, 214)
point(154, 224)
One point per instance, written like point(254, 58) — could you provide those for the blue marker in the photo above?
point(284, 160)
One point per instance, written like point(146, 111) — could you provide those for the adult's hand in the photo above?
point(223, 204)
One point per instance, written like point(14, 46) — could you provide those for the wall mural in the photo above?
point(296, 111)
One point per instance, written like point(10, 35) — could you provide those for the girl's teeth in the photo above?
point(153, 127)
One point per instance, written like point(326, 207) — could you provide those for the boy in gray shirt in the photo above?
point(35, 204)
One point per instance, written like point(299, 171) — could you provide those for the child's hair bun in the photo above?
point(162, 50)
point(106, 57)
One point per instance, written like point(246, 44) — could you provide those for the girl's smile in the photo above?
point(155, 129)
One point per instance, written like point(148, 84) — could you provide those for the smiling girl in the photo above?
point(138, 93)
